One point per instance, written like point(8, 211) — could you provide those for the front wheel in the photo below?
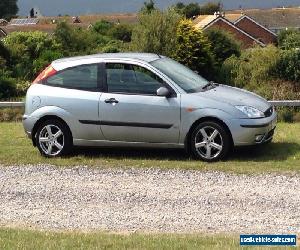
point(210, 141)
point(53, 139)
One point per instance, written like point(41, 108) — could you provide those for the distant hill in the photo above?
point(77, 7)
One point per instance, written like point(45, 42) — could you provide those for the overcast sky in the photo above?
point(76, 7)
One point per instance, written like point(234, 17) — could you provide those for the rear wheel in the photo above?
point(210, 141)
point(53, 139)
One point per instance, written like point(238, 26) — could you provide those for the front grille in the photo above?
point(269, 112)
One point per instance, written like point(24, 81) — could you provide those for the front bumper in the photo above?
point(246, 132)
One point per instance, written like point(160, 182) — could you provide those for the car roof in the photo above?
point(78, 60)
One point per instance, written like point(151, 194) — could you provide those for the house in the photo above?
point(2, 33)
point(243, 28)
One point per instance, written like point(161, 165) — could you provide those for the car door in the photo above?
point(130, 109)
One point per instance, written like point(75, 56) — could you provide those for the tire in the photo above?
point(210, 142)
point(58, 143)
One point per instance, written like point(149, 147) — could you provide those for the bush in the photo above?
point(121, 32)
point(289, 39)
point(45, 59)
point(223, 45)
point(11, 114)
point(103, 27)
point(253, 67)
point(7, 88)
point(270, 72)
point(193, 49)
point(4, 53)
point(21, 87)
point(113, 46)
point(286, 114)
point(155, 32)
point(288, 66)
point(73, 41)
point(25, 48)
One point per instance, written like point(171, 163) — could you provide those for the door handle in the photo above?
point(111, 101)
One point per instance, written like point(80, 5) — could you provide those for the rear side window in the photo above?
point(132, 79)
point(84, 77)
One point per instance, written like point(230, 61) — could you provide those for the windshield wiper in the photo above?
point(210, 84)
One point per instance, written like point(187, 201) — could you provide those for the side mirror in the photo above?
point(162, 91)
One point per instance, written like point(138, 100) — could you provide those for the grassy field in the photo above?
point(283, 155)
point(25, 239)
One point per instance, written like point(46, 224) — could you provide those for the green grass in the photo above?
point(282, 155)
point(25, 239)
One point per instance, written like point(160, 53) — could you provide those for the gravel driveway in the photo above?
point(148, 200)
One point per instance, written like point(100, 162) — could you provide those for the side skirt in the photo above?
point(103, 143)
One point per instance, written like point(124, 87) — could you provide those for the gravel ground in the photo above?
point(148, 200)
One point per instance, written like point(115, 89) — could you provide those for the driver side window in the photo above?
point(132, 79)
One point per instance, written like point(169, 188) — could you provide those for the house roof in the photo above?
point(235, 27)
point(203, 20)
point(255, 22)
point(274, 18)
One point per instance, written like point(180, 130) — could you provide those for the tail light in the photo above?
point(47, 72)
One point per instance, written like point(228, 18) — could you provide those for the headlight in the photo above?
point(251, 112)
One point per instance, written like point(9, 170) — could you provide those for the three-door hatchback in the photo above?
point(141, 100)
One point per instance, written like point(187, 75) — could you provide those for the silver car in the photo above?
point(141, 100)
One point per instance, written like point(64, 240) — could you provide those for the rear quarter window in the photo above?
point(83, 77)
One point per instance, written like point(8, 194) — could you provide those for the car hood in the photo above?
point(236, 96)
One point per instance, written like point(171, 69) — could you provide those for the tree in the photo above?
point(223, 45)
point(194, 9)
point(148, 7)
point(179, 8)
point(210, 8)
point(193, 49)
point(155, 32)
point(8, 8)
point(191, 10)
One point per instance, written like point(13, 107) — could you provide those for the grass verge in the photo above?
point(283, 155)
point(26, 239)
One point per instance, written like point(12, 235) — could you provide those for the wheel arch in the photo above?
point(43, 119)
point(201, 120)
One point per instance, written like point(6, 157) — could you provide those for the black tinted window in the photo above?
point(126, 78)
point(82, 77)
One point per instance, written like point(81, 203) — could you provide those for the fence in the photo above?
point(295, 103)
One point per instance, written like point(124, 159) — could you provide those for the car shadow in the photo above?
point(132, 153)
point(273, 151)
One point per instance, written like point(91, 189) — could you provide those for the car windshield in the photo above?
point(185, 78)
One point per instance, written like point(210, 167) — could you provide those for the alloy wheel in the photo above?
point(51, 140)
point(209, 142)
